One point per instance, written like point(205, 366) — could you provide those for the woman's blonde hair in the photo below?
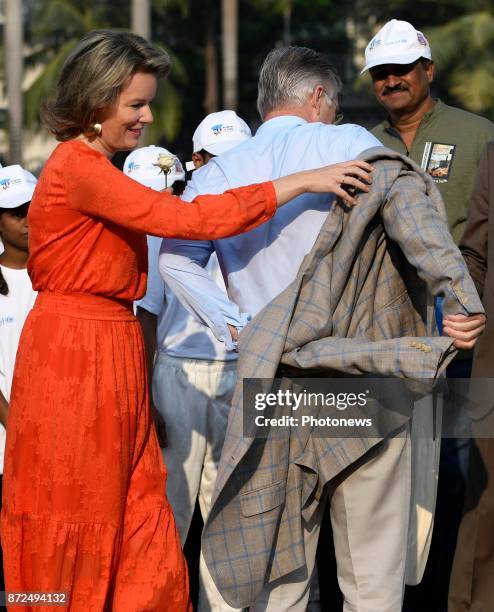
point(93, 76)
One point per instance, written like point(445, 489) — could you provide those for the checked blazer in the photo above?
point(359, 305)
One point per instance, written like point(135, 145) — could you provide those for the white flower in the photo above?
point(166, 162)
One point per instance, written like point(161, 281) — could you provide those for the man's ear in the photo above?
point(316, 100)
point(431, 69)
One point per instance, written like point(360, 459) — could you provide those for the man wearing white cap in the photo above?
point(194, 374)
point(16, 293)
point(445, 141)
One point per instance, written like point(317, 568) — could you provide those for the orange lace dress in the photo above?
point(84, 505)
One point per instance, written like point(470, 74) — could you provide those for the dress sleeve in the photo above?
point(97, 188)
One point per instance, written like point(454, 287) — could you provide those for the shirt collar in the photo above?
point(280, 122)
point(438, 106)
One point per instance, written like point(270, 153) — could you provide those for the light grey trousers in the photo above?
point(370, 508)
point(194, 397)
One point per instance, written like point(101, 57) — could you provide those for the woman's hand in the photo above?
point(341, 179)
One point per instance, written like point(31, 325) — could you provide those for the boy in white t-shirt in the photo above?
point(16, 293)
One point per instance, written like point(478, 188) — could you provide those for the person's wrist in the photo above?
point(234, 337)
point(233, 332)
point(306, 182)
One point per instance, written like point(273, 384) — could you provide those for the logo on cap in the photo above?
point(7, 182)
point(421, 39)
point(219, 127)
point(375, 42)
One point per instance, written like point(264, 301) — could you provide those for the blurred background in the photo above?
point(217, 48)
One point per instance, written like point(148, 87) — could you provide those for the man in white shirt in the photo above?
point(298, 102)
point(194, 373)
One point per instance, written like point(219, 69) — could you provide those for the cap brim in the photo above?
point(218, 148)
point(18, 199)
point(158, 184)
point(407, 58)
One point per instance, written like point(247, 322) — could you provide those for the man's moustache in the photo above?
point(388, 90)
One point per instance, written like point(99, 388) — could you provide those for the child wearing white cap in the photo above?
point(16, 293)
point(216, 134)
point(157, 168)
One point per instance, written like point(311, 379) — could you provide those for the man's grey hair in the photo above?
point(289, 75)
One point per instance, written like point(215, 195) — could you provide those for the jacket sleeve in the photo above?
point(412, 219)
point(412, 358)
point(473, 243)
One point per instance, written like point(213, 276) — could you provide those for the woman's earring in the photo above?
point(96, 128)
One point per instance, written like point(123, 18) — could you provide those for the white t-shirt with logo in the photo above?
point(14, 309)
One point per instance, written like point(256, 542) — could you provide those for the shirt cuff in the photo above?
point(227, 339)
point(239, 323)
point(148, 306)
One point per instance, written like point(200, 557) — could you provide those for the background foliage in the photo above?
point(461, 33)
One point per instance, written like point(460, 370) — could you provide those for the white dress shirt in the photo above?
point(259, 264)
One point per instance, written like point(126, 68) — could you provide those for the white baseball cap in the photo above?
point(16, 186)
point(219, 132)
point(398, 42)
point(142, 166)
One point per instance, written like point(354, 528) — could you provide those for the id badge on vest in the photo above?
point(437, 160)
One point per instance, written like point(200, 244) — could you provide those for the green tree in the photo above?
point(174, 17)
point(420, 13)
point(463, 51)
point(59, 24)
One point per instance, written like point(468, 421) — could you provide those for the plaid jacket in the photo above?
point(358, 305)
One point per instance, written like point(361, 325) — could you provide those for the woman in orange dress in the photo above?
point(84, 506)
